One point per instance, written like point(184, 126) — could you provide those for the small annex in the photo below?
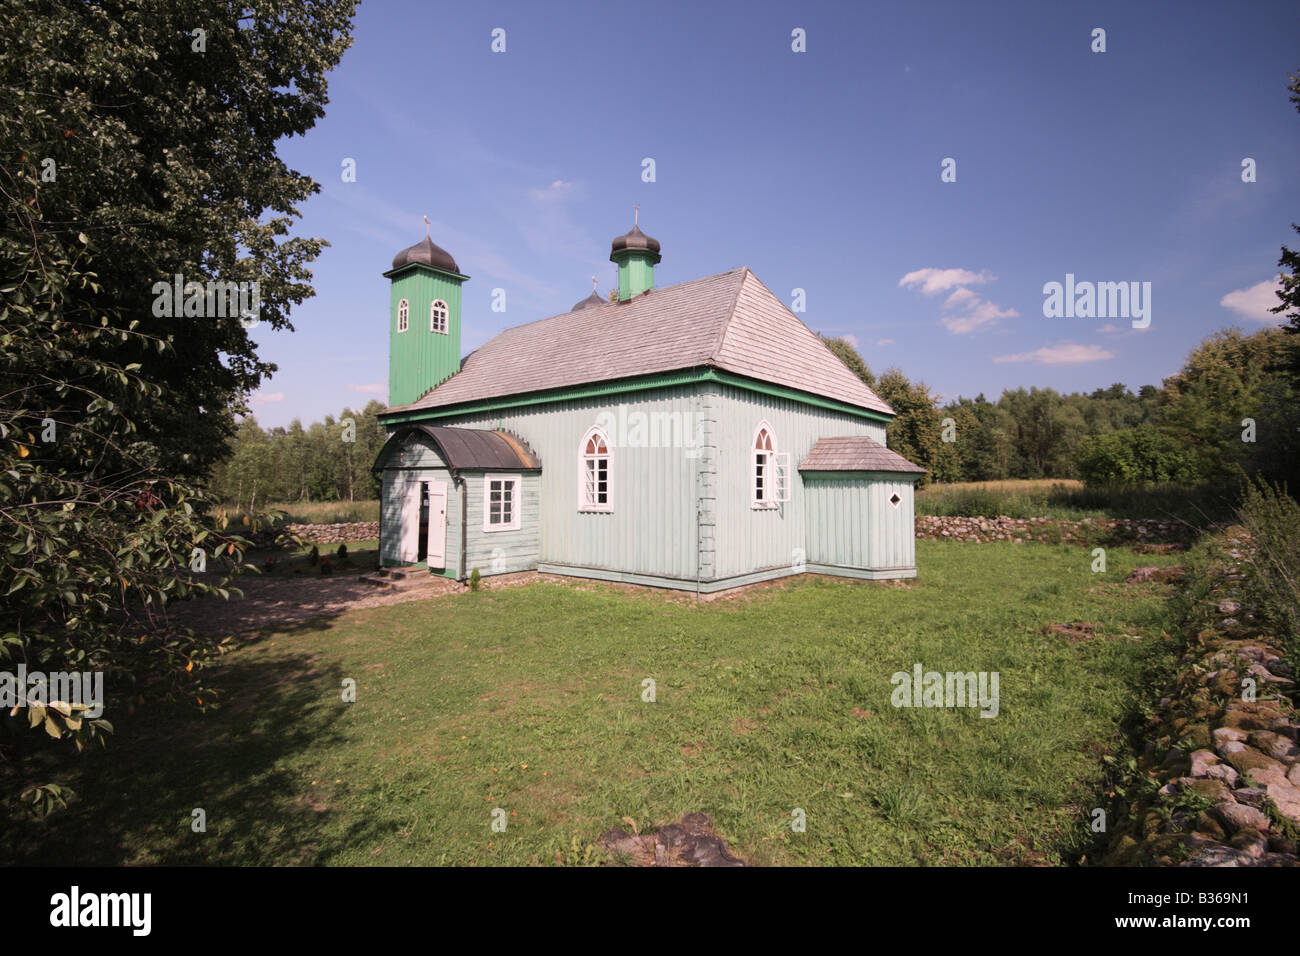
point(698, 437)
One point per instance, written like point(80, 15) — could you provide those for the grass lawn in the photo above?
point(1070, 500)
point(528, 699)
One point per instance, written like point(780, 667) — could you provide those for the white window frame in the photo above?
point(586, 502)
point(516, 502)
point(446, 317)
point(403, 315)
point(776, 471)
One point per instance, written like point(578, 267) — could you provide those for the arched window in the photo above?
point(595, 488)
point(403, 315)
point(438, 316)
point(770, 474)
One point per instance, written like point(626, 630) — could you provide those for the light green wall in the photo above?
point(503, 552)
point(851, 523)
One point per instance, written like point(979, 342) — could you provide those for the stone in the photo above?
point(1293, 776)
point(1216, 854)
point(1228, 606)
point(1287, 800)
point(1250, 841)
point(1274, 745)
point(1225, 734)
point(1202, 761)
point(1250, 796)
point(1248, 759)
point(1208, 825)
point(1210, 789)
point(1237, 815)
point(1224, 772)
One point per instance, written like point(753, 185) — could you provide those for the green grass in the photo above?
point(529, 699)
point(315, 512)
point(362, 556)
point(1200, 505)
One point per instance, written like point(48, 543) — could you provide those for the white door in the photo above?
point(410, 547)
point(437, 524)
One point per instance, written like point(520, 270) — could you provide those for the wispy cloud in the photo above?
point(1254, 303)
point(264, 398)
point(880, 343)
point(1067, 353)
point(966, 309)
point(378, 388)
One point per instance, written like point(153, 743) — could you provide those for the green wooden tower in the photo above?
point(636, 254)
point(423, 321)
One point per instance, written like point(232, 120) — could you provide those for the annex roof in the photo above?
point(855, 453)
point(729, 321)
point(469, 449)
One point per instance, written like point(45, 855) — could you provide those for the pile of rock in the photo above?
point(1223, 750)
point(336, 533)
point(1002, 528)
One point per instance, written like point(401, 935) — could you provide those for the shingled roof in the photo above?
point(730, 321)
point(855, 453)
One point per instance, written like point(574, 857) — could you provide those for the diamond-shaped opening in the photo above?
point(894, 500)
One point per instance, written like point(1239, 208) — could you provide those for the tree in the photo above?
point(847, 354)
point(129, 157)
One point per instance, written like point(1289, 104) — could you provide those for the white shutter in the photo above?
point(780, 461)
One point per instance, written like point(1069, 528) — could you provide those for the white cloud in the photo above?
point(1109, 328)
point(1254, 303)
point(934, 281)
point(884, 342)
point(967, 310)
point(378, 388)
point(981, 313)
point(556, 190)
point(1067, 353)
point(851, 339)
point(262, 398)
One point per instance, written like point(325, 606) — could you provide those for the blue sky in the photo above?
point(819, 170)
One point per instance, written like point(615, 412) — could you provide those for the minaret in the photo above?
point(423, 320)
point(635, 254)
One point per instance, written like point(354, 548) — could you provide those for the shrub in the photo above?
point(473, 580)
point(314, 558)
point(326, 567)
point(1134, 456)
point(1272, 583)
point(342, 554)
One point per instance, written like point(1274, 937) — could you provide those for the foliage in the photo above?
point(1273, 560)
point(295, 464)
point(128, 158)
point(1134, 456)
point(474, 578)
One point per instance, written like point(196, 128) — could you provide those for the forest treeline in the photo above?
point(1230, 408)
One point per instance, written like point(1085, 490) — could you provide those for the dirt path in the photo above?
point(277, 602)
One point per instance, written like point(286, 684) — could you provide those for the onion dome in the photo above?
point(427, 253)
point(634, 241)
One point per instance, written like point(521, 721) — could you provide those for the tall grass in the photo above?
point(1201, 505)
point(1273, 562)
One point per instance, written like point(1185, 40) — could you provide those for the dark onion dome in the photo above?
point(636, 240)
point(426, 253)
point(588, 302)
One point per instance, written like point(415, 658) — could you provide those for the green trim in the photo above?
point(867, 574)
point(825, 474)
point(420, 265)
point(705, 374)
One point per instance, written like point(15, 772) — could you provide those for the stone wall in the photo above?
point(336, 533)
point(1218, 777)
point(1052, 530)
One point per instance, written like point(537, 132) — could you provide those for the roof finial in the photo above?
point(636, 213)
point(426, 227)
point(593, 284)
